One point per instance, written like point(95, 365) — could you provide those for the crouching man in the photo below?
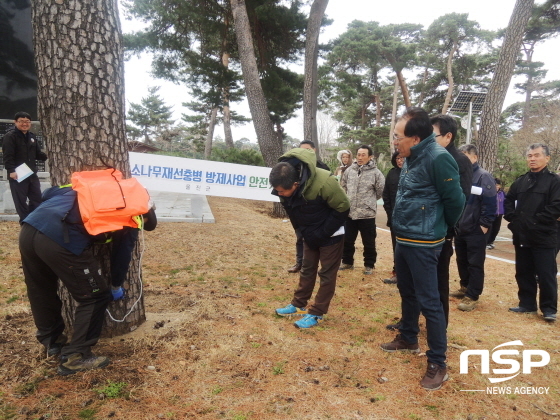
point(318, 207)
point(54, 244)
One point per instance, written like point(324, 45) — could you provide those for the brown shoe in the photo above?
point(434, 378)
point(460, 294)
point(398, 344)
point(295, 269)
point(467, 304)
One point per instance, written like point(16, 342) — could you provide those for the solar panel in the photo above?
point(465, 97)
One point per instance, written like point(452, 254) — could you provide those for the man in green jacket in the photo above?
point(317, 207)
point(429, 200)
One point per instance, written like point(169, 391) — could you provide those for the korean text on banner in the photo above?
point(194, 176)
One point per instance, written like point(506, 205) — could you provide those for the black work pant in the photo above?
point(394, 243)
point(44, 262)
point(21, 191)
point(495, 229)
point(471, 254)
point(368, 232)
point(329, 257)
point(444, 260)
point(531, 263)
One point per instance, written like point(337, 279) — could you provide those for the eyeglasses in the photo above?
point(23, 122)
point(440, 135)
point(396, 137)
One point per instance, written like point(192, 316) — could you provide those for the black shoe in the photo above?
point(392, 280)
point(522, 310)
point(55, 348)
point(549, 317)
point(394, 327)
point(295, 269)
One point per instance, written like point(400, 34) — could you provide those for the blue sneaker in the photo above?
point(308, 321)
point(291, 310)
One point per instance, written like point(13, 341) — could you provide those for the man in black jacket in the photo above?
point(20, 146)
point(389, 197)
point(306, 144)
point(532, 207)
point(473, 231)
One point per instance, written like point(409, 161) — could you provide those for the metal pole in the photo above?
point(469, 133)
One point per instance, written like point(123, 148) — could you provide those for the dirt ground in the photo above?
point(212, 347)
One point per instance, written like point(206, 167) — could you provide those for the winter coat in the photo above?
point(390, 190)
point(429, 197)
point(319, 206)
point(532, 207)
point(480, 209)
point(364, 186)
point(19, 148)
point(58, 217)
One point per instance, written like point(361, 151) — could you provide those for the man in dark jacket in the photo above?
point(429, 200)
point(473, 231)
point(20, 146)
point(445, 129)
point(317, 207)
point(54, 244)
point(532, 207)
point(306, 144)
point(389, 197)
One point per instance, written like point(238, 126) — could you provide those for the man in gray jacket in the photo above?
point(363, 183)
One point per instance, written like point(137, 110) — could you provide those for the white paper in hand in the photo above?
point(23, 171)
point(339, 232)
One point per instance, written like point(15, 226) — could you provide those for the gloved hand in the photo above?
point(118, 293)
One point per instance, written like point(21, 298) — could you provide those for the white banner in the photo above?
point(193, 176)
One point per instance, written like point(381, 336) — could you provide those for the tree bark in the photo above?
point(492, 108)
point(271, 147)
point(529, 88)
point(310, 88)
point(228, 136)
point(393, 116)
point(404, 89)
point(79, 62)
point(449, 78)
point(423, 92)
point(210, 135)
point(377, 111)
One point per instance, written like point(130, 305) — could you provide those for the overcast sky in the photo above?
point(490, 14)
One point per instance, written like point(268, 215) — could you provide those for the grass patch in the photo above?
point(113, 389)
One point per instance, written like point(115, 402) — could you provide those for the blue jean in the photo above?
point(418, 287)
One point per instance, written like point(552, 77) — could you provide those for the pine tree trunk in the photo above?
point(228, 136)
point(79, 62)
point(492, 108)
point(269, 143)
point(210, 135)
point(529, 87)
point(394, 115)
point(449, 79)
point(404, 89)
point(310, 85)
point(377, 111)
